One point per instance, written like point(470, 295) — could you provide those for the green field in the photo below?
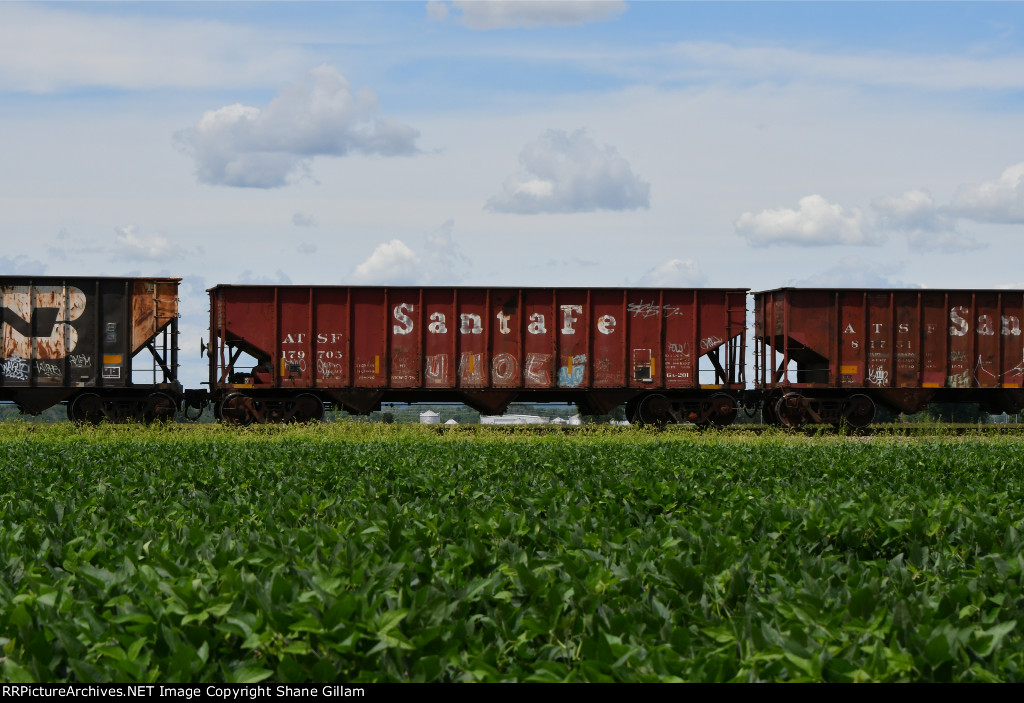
point(384, 553)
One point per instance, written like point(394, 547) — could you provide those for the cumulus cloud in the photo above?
point(927, 225)
point(526, 14)
point(21, 265)
point(1000, 201)
point(130, 246)
point(568, 172)
point(675, 273)
point(395, 263)
point(245, 146)
point(392, 263)
point(854, 272)
point(816, 222)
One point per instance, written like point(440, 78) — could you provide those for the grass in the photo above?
point(405, 553)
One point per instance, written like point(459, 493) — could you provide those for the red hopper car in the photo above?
point(825, 356)
point(278, 353)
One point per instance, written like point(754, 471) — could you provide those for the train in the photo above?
point(107, 348)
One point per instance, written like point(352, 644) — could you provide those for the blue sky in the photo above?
point(520, 143)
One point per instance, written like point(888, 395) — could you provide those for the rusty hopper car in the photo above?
point(105, 346)
point(278, 353)
point(825, 356)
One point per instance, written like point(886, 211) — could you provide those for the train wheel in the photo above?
point(790, 411)
point(653, 410)
point(159, 407)
point(236, 409)
point(860, 411)
point(723, 410)
point(631, 407)
point(87, 408)
point(307, 408)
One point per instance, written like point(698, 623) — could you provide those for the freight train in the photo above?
point(108, 349)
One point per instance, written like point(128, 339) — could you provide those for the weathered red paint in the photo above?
point(903, 348)
point(484, 346)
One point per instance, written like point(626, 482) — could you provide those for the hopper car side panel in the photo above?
point(85, 341)
point(817, 349)
point(486, 347)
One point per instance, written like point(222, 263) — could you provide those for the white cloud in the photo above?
point(129, 245)
point(675, 273)
point(240, 145)
point(443, 263)
point(568, 172)
point(395, 263)
point(1000, 201)
point(21, 265)
point(302, 220)
point(817, 222)
point(45, 49)
point(775, 64)
point(526, 14)
point(913, 210)
point(392, 263)
point(927, 226)
point(280, 278)
point(854, 272)
point(306, 248)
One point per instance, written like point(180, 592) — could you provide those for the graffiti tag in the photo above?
point(80, 361)
point(16, 368)
point(877, 376)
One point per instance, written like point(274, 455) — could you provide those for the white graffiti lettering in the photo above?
point(16, 368)
point(709, 343)
point(470, 370)
point(503, 323)
point(405, 324)
point(956, 316)
point(568, 319)
point(436, 368)
point(45, 369)
point(536, 369)
point(329, 369)
point(536, 325)
point(80, 361)
point(676, 348)
point(877, 376)
point(504, 368)
point(980, 369)
point(643, 309)
point(471, 324)
point(651, 309)
point(438, 325)
point(985, 325)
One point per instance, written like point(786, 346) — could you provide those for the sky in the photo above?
point(521, 143)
